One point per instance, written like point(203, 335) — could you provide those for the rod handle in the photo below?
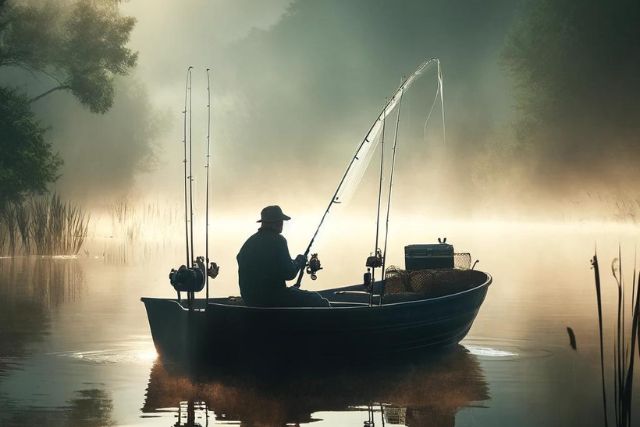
point(299, 281)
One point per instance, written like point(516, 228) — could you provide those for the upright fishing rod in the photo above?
point(190, 171)
point(393, 165)
point(374, 261)
point(440, 91)
point(206, 250)
point(184, 141)
point(385, 112)
point(194, 275)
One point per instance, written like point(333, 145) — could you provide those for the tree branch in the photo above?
point(42, 95)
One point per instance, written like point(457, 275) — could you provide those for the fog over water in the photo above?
point(293, 98)
point(296, 84)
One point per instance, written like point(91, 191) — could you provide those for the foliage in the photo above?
point(81, 47)
point(27, 162)
point(575, 65)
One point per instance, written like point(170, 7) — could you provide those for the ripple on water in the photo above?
point(111, 356)
point(489, 349)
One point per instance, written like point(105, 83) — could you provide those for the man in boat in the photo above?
point(264, 266)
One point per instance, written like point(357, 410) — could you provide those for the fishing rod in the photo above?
point(393, 164)
point(190, 171)
point(375, 261)
point(194, 275)
point(206, 250)
point(184, 142)
point(368, 139)
point(439, 91)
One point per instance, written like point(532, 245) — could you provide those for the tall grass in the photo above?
point(626, 342)
point(137, 230)
point(43, 226)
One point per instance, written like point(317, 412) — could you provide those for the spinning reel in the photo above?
point(313, 266)
point(373, 262)
point(191, 279)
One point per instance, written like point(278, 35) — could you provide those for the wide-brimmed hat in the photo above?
point(272, 214)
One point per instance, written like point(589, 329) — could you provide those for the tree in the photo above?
point(81, 46)
point(576, 68)
point(27, 162)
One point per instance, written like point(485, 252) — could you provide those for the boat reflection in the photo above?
point(425, 392)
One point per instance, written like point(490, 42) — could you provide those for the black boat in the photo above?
point(224, 329)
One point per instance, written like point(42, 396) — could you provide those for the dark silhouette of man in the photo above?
point(264, 266)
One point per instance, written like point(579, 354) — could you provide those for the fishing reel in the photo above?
point(192, 279)
point(374, 261)
point(313, 266)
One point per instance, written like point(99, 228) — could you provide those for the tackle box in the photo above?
point(428, 256)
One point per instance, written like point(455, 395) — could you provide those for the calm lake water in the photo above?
point(75, 346)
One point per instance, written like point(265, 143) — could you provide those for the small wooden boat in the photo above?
point(364, 321)
point(224, 329)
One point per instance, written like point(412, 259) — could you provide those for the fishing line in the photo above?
point(433, 104)
point(441, 90)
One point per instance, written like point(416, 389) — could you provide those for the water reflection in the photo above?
point(30, 289)
point(425, 392)
point(88, 408)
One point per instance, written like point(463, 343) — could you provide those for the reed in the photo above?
point(43, 226)
point(10, 227)
point(626, 343)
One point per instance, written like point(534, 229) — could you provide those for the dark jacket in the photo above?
point(264, 264)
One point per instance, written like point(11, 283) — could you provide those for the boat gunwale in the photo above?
point(486, 283)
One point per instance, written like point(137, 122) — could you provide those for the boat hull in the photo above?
point(219, 331)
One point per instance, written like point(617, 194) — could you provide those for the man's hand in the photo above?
point(213, 270)
point(301, 261)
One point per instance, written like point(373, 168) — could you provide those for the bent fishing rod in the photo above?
point(369, 138)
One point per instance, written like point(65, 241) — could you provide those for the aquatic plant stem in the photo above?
point(596, 271)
